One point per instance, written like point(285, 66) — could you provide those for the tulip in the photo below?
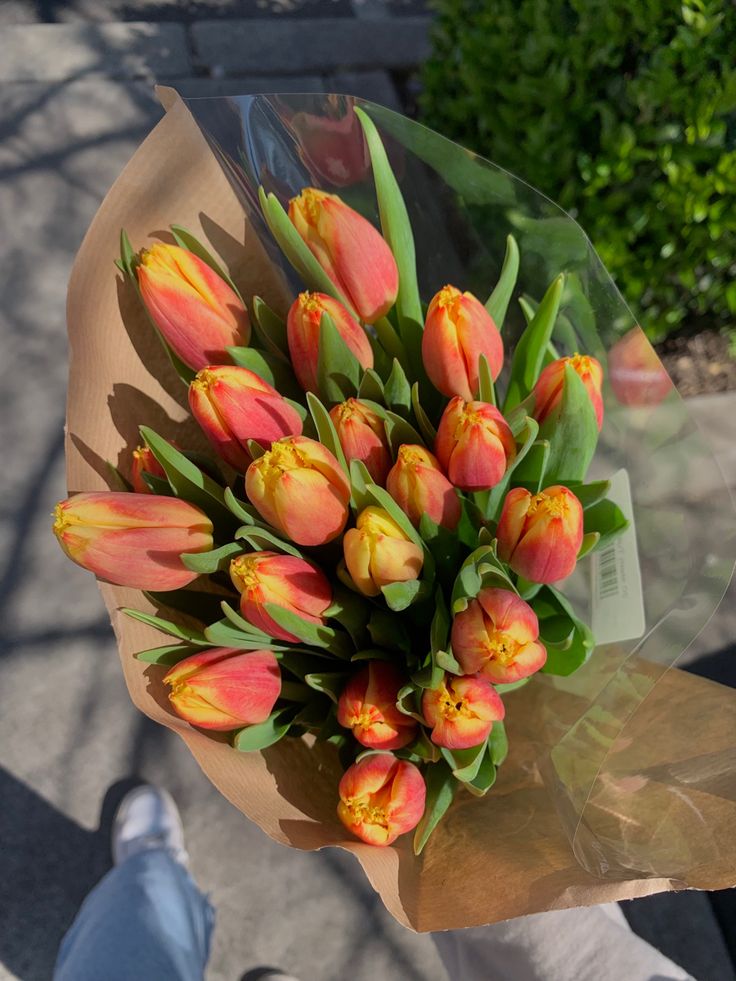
point(381, 798)
point(233, 405)
point(540, 535)
point(497, 636)
point(457, 330)
point(418, 485)
point(224, 688)
point(284, 580)
point(461, 712)
point(367, 705)
point(350, 250)
point(132, 539)
point(638, 377)
point(332, 147)
point(551, 383)
point(197, 313)
point(474, 444)
point(362, 436)
point(378, 552)
point(144, 462)
point(303, 325)
point(299, 487)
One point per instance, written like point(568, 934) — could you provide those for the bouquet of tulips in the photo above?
point(374, 554)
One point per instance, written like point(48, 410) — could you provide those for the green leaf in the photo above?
point(266, 733)
point(330, 683)
point(395, 225)
point(590, 494)
point(423, 421)
point(440, 794)
point(486, 776)
point(371, 387)
point(529, 353)
point(186, 240)
point(360, 481)
point(572, 431)
point(498, 302)
point(490, 502)
point(486, 388)
point(313, 634)
point(401, 595)
point(397, 390)
point(400, 433)
point(270, 328)
point(242, 511)
point(590, 542)
point(351, 612)
point(498, 744)
point(166, 656)
point(439, 629)
point(295, 249)
point(326, 430)
point(606, 519)
point(167, 627)
point(388, 631)
point(188, 481)
point(557, 630)
point(338, 370)
point(465, 763)
point(207, 563)
point(127, 256)
point(261, 539)
point(272, 369)
point(245, 626)
point(223, 633)
point(447, 661)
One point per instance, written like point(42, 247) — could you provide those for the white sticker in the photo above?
point(617, 599)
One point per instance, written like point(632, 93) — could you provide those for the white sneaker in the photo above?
point(148, 817)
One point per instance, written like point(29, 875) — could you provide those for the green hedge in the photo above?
point(622, 111)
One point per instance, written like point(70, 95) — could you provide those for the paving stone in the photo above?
point(207, 88)
point(374, 86)
point(56, 52)
point(328, 45)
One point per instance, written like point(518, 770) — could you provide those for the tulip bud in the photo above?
point(233, 405)
point(540, 535)
point(457, 330)
point(378, 552)
point(367, 705)
point(461, 712)
point(417, 484)
point(497, 635)
point(197, 313)
point(637, 376)
point(349, 249)
point(551, 382)
point(284, 580)
point(362, 436)
point(474, 444)
point(132, 539)
point(224, 688)
point(300, 488)
point(381, 798)
point(144, 462)
point(303, 325)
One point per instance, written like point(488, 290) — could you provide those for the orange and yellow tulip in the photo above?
point(540, 535)
point(474, 444)
point(224, 688)
point(144, 462)
point(233, 405)
point(299, 487)
point(497, 636)
point(350, 250)
point(303, 325)
point(457, 330)
point(378, 552)
point(367, 705)
point(197, 313)
point(362, 436)
point(461, 711)
point(284, 580)
point(132, 539)
point(381, 798)
point(551, 383)
point(418, 485)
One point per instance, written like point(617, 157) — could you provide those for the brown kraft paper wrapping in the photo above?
point(664, 805)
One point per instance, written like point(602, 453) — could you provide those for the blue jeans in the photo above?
point(144, 921)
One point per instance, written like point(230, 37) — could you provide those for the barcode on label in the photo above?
point(608, 578)
point(617, 602)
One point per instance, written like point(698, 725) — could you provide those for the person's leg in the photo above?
point(592, 942)
point(145, 918)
